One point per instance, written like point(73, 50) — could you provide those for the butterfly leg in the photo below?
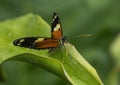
point(50, 50)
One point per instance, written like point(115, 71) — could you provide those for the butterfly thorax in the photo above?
point(63, 40)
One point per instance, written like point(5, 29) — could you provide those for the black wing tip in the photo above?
point(55, 21)
point(15, 42)
point(24, 42)
point(56, 18)
point(55, 15)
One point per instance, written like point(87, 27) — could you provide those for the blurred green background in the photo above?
point(99, 18)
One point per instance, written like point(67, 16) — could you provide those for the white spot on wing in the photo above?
point(57, 27)
point(21, 40)
point(39, 40)
point(54, 17)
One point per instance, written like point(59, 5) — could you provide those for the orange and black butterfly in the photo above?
point(55, 41)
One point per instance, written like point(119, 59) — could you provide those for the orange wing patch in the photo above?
point(47, 43)
point(57, 34)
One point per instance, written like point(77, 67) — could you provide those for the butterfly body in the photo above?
point(55, 41)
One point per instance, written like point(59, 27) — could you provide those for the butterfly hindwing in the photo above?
point(56, 28)
point(37, 43)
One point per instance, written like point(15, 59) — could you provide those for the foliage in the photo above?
point(65, 61)
point(98, 18)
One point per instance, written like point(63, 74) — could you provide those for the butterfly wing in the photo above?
point(36, 43)
point(56, 28)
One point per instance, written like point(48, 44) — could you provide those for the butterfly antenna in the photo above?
point(82, 35)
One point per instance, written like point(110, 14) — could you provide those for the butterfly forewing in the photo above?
point(56, 28)
point(37, 43)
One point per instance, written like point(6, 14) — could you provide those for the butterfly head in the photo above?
point(63, 40)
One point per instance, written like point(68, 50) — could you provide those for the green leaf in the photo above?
point(64, 61)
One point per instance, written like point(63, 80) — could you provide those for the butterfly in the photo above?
point(55, 41)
